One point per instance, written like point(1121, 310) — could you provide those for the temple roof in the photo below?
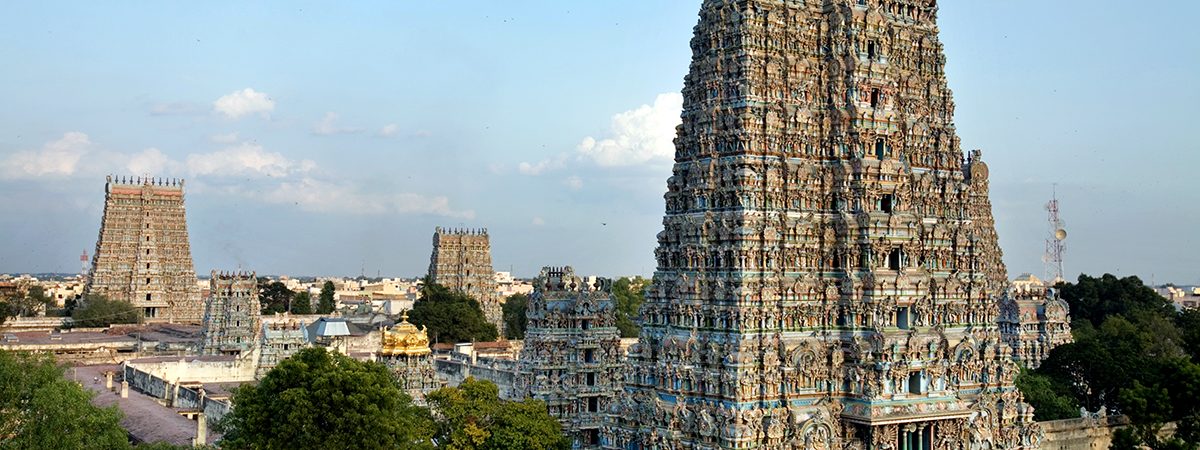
point(404, 339)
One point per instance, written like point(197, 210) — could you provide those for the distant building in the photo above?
point(462, 261)
point(143, 255)
point(572, 356)
point(1033, 320)
point(507, 286)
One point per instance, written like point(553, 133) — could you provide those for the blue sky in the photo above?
point(328, 138)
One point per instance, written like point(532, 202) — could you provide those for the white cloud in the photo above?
point(574, 182)
point(389, 130)
point(638, 136)
point(150, 161)
point(243, 159)
point(537, 168)
point(537, 221)
point(55, 158)
point(243, 102)
point(175, 109)
point(321, 196)
point(328, 126)
point(224, 138)
point(245, 169)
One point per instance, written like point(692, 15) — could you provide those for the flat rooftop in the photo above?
point(144, 418)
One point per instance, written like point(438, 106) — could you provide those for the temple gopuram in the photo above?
point(1034, 320)
point(572, 358)
point(231, 314)
point(828, 274)
point(404, 349)
point(142, 254)
point(462, 262)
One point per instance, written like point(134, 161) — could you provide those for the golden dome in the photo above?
point(404, 339)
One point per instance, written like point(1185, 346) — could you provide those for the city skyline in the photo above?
point(315, 148)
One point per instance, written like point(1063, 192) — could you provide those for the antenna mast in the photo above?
point(1054, 242)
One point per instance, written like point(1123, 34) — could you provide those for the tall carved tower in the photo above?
point(828, 274)
point(462, 261)
point(572, 354)
point(142, 255)
point(231, 314)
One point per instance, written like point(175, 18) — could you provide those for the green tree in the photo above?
point(451, 316)
point(1188, 322)
point(274, 297)
point(1133, 354)
point(325, 302)
point(1053, 398)
point(99, 311)
point(515, 307)
point(316, 399)
point(1096, 299)
point(302, 303)
point(629, 294)
point(40, 408)
point(6, 311)
point(472, 416)
point(32, 302)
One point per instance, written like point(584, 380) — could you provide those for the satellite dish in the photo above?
point(1060, 234)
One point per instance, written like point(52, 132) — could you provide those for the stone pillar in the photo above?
point(108, 379)
point(201, 431)
point(124, 389)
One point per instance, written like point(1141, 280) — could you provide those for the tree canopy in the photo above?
point(451, 316)
point(315, 399)
point(472, 416)
point(515, 307)
point(629, 294)
point(274, 297)
point(325, 304)
point(99, 311)
point(302, 303)
point(40, 408)
point(27, 303)
point(1133, 354)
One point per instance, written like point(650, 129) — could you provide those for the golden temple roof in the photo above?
point(404, 339)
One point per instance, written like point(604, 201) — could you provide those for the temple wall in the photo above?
point(173, 395)
point(197, 370)
point(502, 372)
point(1087, 433)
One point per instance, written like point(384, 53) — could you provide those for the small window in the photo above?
point(593, 404)
point(147, 281)
point(914, 383)
point(147, 265)
point(591, 379)
point(880, 148)
point(148, 297)
point(887, 203)
point(902, 318)
point(589, 356)
point(585, 324)
point(875, 98)
point(894, 259)
point(872, 50)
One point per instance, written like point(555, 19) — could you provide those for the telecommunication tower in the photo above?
point(1054, 242)
point(83, 263)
